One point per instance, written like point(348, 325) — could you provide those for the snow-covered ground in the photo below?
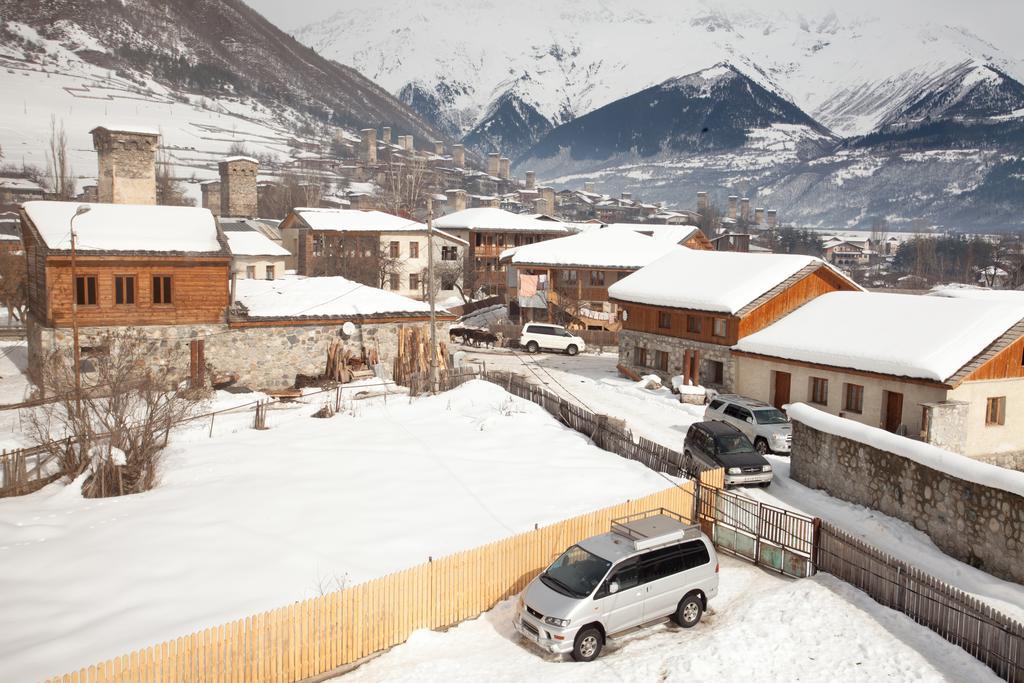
point(592, 379)
point(761, 627)
point(251, 520)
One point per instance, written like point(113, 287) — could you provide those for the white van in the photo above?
point(650, 566)
point(536, 336)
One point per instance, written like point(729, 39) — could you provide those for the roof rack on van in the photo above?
point(652, 528)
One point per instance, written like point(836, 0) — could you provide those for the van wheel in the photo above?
point(532, 347)
point(572, 350)
point(761, 445)
point(588, 645)
point(689, 611)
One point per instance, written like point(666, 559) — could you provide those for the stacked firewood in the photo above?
point(343, 365)
point(413, 357)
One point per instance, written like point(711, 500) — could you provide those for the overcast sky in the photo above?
point(998, 21)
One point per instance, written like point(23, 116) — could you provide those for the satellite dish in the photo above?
point(348, 329)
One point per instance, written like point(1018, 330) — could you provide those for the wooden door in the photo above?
point(780, 396)
point(893, 411)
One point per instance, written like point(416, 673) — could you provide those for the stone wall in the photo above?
point(126, 166)
point(979, 525)
point(631, 339)
point(262, 357)
point(238, 196)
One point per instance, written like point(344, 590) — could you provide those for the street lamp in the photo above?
point(82, 209)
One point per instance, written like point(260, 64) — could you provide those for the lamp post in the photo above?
point(82, 209)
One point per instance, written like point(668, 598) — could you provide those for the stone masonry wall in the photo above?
point(630, 340)
point(976, 524)
point(262, 357)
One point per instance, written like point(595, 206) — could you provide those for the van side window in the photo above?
point(626, 574)
point(695, 554)
point(658, 564)
point(737, 412)
point(534, 329)
point(716, 404)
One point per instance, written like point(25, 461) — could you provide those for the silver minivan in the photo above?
point(650, 566)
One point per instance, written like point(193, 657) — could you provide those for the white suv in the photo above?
point(768, 428)
point(552, 337)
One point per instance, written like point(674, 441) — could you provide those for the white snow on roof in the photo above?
point(720, 281)
point(979, 293)
point(241, 158)
point(487, 218)
point(594, 249)
point(669, 233)
point(953, 464)
point(328, 297)
point(353, 220)
point(130, 128)
point(905, 335)
point(20, 184)
point(125, 227)
point(252, 243)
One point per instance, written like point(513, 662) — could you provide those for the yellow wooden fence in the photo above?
point(323, 633)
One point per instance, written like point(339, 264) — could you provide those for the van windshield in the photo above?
point(770, 416)
point(576, 573)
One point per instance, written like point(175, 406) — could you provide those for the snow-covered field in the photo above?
point(592, 379)
point(251, 520)
point(762, 627)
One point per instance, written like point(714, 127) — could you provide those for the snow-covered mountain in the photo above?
point(209, 74)
point(568, 58)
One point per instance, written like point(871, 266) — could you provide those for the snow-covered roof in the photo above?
point(593, 249)
point(355, 220)
point(1015, 296)
point(669, 233)
point(252, 243)
point(125, 227)
point(905, 335)
point(488, 218)
point(20, 185)
point(240, 158)
point(322, 297)
point(720, 281)
point(134, 129)
point(925, 454)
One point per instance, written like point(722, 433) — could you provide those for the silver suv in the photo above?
point(650, 566)
point(766, 426)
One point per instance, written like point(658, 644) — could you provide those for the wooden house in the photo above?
point(489, 232)
point(565, 280)
point(946, 370)
point(682, 314)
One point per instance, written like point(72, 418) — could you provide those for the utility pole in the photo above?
point(430, 293)
point(74, 311)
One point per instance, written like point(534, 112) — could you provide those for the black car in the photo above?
point(719, 444)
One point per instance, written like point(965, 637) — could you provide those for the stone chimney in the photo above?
point(531, 180)
point(90, 193)
point(494, 164)
point(238, 197)
point(733, 202)
point(127, 165)
point(745, 208)
point(772, 217)
point(439, 147)
point(368, 145)
point(406, 141)
point(588, 187)
point(456, 200)
point(758, 216)
point(702, 201)
point(385, 135)
point(211, 196)
point(506, 167)
point(459, 155)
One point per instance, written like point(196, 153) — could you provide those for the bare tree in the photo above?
point(120, 424)
point(61, 175)
point(448, 275)
point(408, 180)
point(170, 191)
point(13, 284)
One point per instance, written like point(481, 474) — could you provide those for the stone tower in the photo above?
point(211, 196)
point(531, 180)
point(385, 135)
point(733, 206)
point(238, 197)
point(459, 155)
point(456, 200)
point(368, 145)
point(127, 164)
point(494, 164)
point(505, 167)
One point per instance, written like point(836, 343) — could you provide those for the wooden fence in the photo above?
point(320, 635)
point(963, 620)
